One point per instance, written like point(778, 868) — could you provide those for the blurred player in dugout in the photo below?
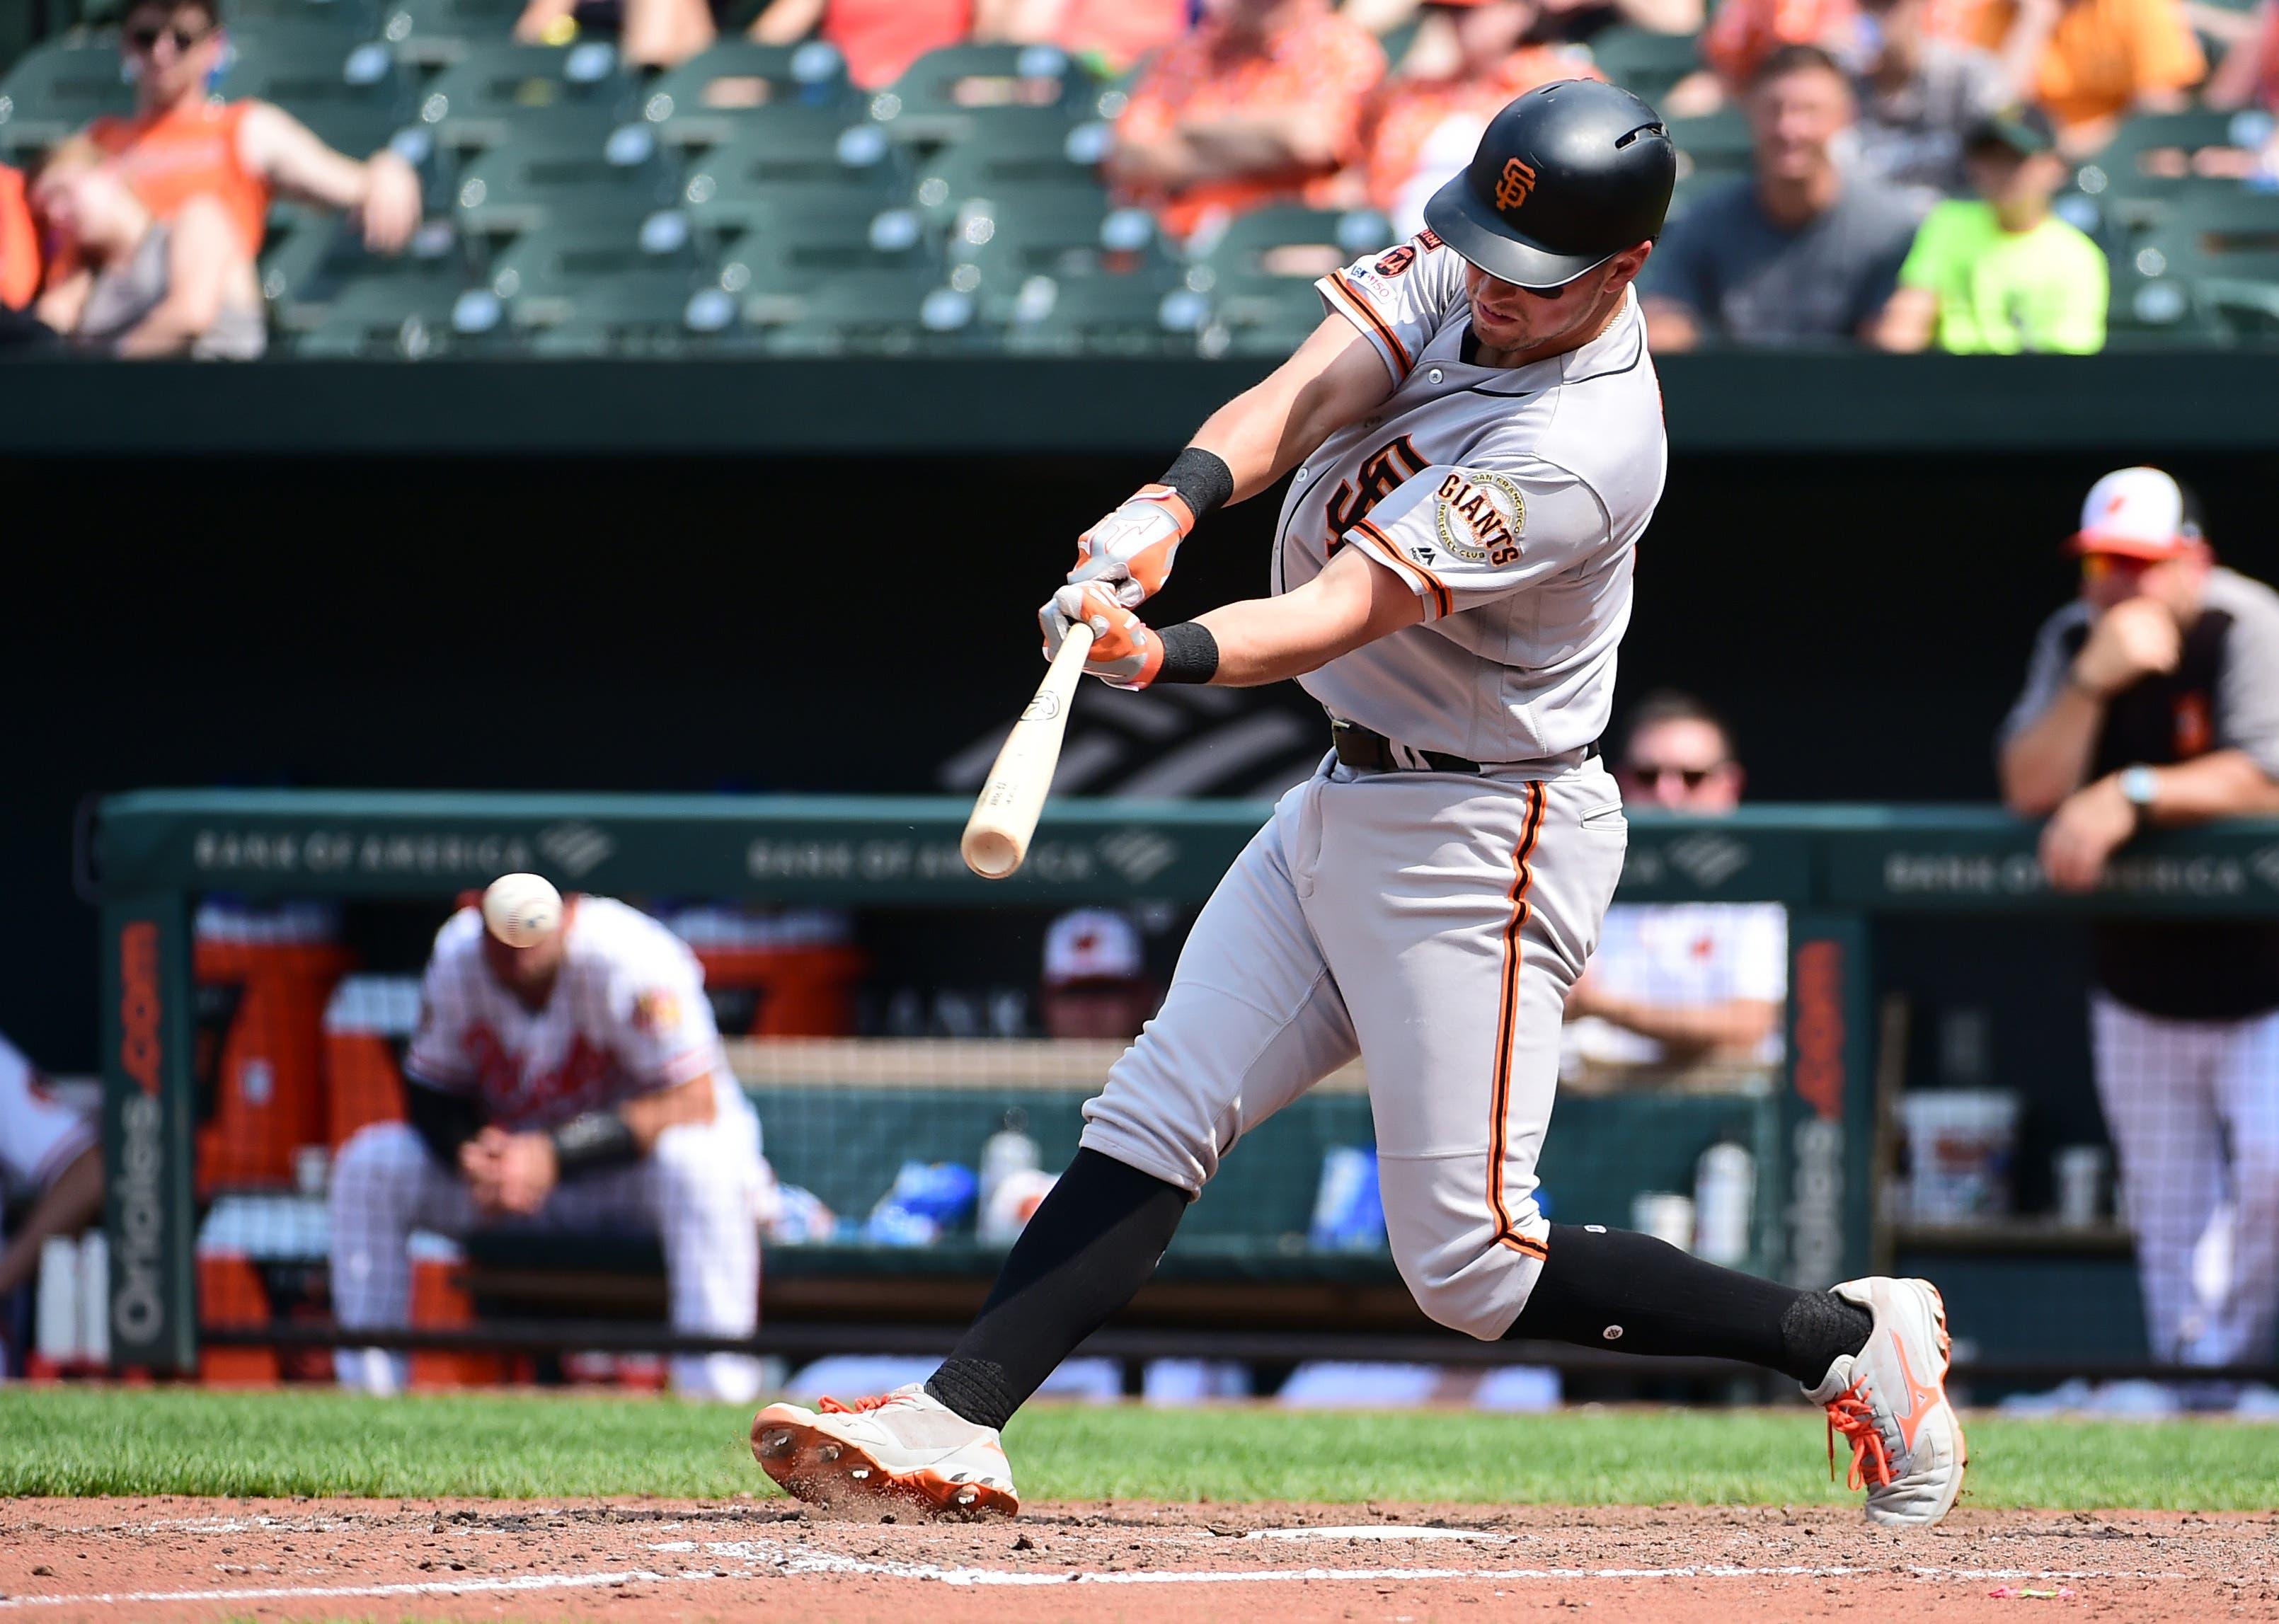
point(575, 1082)
point(1675, 987)
point(2153, 700)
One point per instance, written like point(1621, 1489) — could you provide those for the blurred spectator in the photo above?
point(142, 287)
point(1096, 979)
point(652, 33)
point(1425, 120)
point(879, 38)
point(50, 1156)
point(2152, 701)
point(1797, 252)
point(180, 143)
point(1743, 33)
point(2092, 63)
point(1920, 97)
point(2000, 273)
point(1673, 985)
point(19, 243)
point(1260, 103)
point(1107, 35)
point(2248, 74)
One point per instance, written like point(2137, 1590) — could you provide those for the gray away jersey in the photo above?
point(1509, 499)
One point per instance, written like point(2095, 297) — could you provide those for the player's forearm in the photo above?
point(648, 1115)
point(1333, 380)
point(1351, 602)
point(69, 1206)
point(2049, 760)
point(2224, 783)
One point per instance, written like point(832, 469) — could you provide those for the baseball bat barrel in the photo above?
point(996, 839)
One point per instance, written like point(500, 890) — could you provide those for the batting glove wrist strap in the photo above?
point(597, 1140)
point(1202, 480)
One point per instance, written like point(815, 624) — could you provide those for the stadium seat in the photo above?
point(572, 173)
point(1290, 241)
point(359, 19)
point(497, 88)
point(656, 312)
point(803, 243)
point(1717, 145)
point(313, 254)
point(995, 246)
point(895, 312)
point(1106, 315)
point(1265, 315)
point(1645, 62)
point(2153, 151)
point(805, 152)
point(406, 310)
point(544, 276)
point(938, 96)
point(438, 33)
point(354, 94)
point(703, 100)
point(1012, 150)
point(56, 89)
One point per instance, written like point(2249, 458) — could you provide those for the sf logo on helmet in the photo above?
point(1518, 180)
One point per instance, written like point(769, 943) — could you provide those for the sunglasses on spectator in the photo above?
point(146, 39)
point(1692, 777)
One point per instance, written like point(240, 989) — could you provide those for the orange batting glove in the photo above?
point(1124, 653)
point(1131, 549)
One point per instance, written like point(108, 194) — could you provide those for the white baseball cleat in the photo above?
point(1890, 1401)
point(902, 1448)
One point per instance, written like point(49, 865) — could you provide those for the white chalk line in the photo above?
point(772, 1559)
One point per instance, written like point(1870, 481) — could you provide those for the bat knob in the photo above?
point(990, 852)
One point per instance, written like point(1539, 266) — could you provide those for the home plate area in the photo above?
point(636, 1560)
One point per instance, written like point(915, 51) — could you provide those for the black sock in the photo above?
point(1614, 1288)
point(1090, 1247)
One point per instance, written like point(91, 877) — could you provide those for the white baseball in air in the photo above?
point(522, 910)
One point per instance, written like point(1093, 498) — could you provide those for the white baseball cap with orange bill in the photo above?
point(2136, 513)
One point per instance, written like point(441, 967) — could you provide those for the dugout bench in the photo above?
point(150, 856)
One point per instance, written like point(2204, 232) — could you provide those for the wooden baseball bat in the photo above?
point(996, 839)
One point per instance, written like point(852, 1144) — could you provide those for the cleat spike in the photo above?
point(827, 1453)
point(859, 1474)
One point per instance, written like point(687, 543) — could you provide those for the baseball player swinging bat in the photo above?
point(996, 839)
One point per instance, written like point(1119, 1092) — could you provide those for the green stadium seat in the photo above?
point(707, 98)
point(359, 19)
point(1138, 315)
point(437, 33)
point(1260, 316)
point(1012, 150)
point(801, 245)
point(543, 276)
point(656, 312)
point(406, 311)
point(1717, 145)
point(567, 175)
point(795, 152)
point(2152, 152)
point(495, 89)
point(313, 255)
point(56, 89)
point(867, 312)
point(1290, 241)
point(939, 95)
point(355, 95)
point(1645, 62)
point(996, 246)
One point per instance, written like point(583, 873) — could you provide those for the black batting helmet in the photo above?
point(1566, 177)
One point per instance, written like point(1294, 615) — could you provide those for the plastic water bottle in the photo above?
point(1009, 1150)
point(1724, 1203)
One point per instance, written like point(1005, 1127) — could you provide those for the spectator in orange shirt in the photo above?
point(1109, 34)
point(180, 143)
point(2090, 64)
point(1424, 121)
point(879, 38)
point(1261, 103)
point(20, 243)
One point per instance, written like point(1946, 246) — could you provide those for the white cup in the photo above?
point(2080, 1175)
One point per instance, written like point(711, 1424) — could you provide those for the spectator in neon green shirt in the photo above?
point(2000, 273)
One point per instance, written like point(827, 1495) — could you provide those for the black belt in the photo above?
point(1365, 750)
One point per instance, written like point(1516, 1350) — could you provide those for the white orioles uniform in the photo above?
point(1430, 920)
point(627, 1016)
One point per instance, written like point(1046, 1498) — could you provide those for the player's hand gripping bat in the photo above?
point(997, 835)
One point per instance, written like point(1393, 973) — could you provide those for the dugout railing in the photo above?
point(148, 857)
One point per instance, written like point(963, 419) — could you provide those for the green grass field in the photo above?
point(88, 1442)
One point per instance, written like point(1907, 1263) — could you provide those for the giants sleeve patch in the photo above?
point(1479, 518)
